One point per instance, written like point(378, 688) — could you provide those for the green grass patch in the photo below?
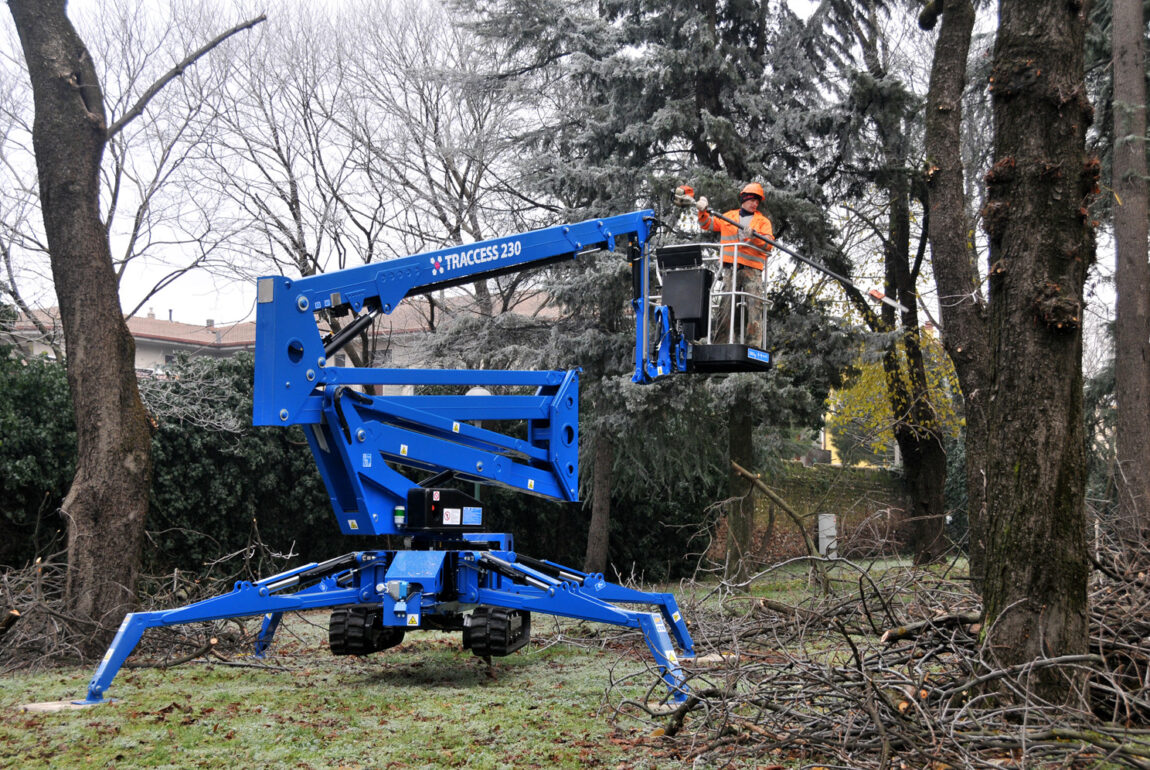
point(426, 703)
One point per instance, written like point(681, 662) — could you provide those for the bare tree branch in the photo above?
point(141, 104)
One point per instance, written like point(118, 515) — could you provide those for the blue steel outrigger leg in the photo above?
point(595, 600)
point(267, 632)
point(245, 599)
point(483, 578)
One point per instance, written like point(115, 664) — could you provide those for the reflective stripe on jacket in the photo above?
point(749, 248)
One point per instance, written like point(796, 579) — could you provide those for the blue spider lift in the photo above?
point(451, 573)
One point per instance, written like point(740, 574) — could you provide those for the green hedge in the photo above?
point(217, 480)
point(37, 457)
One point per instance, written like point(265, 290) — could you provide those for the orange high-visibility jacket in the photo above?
point(755, 257)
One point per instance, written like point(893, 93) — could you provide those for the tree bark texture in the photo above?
point(741, 508)
point(1132, 324)
point(107, 503)
point(915, 426)
point(1041, 241)
point(962, 306)
point(599, 533)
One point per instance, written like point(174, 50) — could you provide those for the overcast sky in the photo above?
point(197, 297)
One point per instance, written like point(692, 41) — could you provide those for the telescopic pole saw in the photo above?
point(683, 198)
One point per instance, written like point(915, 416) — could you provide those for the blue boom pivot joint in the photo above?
point(367, 436)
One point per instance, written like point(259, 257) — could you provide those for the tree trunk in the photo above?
point(108, 500)
point(923, 455)
point(915, 428)
point(741, 508)
point(484, 305)
point(1132, 324)
point(1041, 241)
point(599, 534)
point(924, 465)
point(963, 309)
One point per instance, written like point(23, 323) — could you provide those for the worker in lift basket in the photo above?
point(746, 256)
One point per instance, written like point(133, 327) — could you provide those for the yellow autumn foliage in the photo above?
point(863, 409)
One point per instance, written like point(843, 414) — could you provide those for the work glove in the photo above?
point(702, 203)
point(684, 196)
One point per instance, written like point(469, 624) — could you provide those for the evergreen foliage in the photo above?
point(213, 487)
point(718, 93)
point(37, 456)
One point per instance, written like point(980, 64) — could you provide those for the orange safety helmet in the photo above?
point(754, 188)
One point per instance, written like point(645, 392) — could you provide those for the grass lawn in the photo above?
point(426, 703)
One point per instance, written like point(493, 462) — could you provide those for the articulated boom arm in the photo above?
point(359, 433)
point(358, 439)
point(291, 363)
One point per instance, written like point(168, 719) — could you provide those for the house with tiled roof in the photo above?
point(160, 341)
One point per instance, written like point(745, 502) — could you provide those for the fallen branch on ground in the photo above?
point(812, 682)
point(911, 630)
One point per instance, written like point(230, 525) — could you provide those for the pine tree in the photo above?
point(715, 93)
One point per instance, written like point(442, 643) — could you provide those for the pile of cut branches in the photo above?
point(37, 630)
point(36, 626)
point(894, 674)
